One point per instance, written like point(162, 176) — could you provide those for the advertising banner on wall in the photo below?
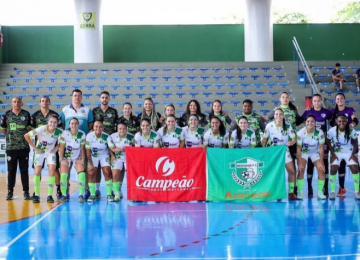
point(246, 174)
point(166, 174)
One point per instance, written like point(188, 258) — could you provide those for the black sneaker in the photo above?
point(36, 199)
point(97, 194)
point(58, 194)
point(10, 195)
point(32, 197)
point(295, 191)
point(310, 192)
point(27, 195)
point(50, 199)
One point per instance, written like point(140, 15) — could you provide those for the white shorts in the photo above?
point(288, 157)
point(313, 156)
point(345, 157)
point(70, 162)
point(104, 161)
point(40, 158)
point(118, 165)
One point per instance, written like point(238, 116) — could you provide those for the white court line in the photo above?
point(6, 247)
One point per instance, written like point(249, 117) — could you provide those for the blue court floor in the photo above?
point(308, 229)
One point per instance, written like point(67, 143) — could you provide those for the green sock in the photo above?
point(300, 184)
point(92, 188)
point(321, 184)
point(37, 185)
point(291, 187)
point(116, 186)
point(356, 181)
point(81, 176)
point(63, 183)
point(332, 180)
point(109, 185)
point(51, 184)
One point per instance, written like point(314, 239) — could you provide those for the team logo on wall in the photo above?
point(87, 16)
point(246, 171)
point(87, 20)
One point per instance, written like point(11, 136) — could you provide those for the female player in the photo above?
point(150, 113)
point(310, 146)
point(45, 149)
point(117, 143)
point(146, 137)
point(131, 121)
point(242, 137)
point(171, 136)
point(193, 133)
point(72, 151)
point(343, 145)
point(193, 108)
point(216, 136)
point(216, 110)
point(281, 133)
point(169, 110)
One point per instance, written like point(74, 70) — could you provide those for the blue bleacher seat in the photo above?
point(153, 95)
point(11, 88)
point(37, 88)
point(67, 71)
point(193, 86)
point(241, 69)
point(228, 69)
point(167, 86)
point(354, 68)
point(24, 88)
point(92, 70)
point(47, 95)
point(358, 100)
point(180, 94)
point(140, 95)
point(104, 71)
point(216, 70)
point(139, 104)
point(355, 93)
point(317, 68)
point(192, 78)
point(253, 69)
point(259, 93)
point(235, 103)
point(231, 85)
point(154, 70)
point(244, 85)
point(347, 76)
point(274, 93)
point(18, 72)
point(87, 95)
point(217, 77)
point(203, 70)
point(79, 86)
point(255, 77)
point(206, 94)
point(137, 112)
point(246, 94)
point(329, 93)
point(207, 111)
point(180, 86)
point(324, 84)
point(141, 87)
point(80, 71)
point(4, 105)
point(8, 96)
point(90, 78)
point(27, 79)
point(331, 101)
point(129, 70)
point(204, 78)
point(55, 71)
point(58, 105)
point(193, 94)
point(114, 95)
point(21, 95)
point(180, 103)
point(219, 86)
point(207, 103)
point(166, 70)
point(233, 94)
point(167, 95)
point(270, 85)
point(115, 87)
point(262, 102)
point(321, 76)
point(128, 87)
point(267, 77)
point(15, 79)
point(116, 70)
point(350, 84)
point(220, 94)
point(280, 77)
point(329, 68)
point(153, 78)
point(257, 85)
point(141, 78)
point(179, 78)
point(242, 77)
point(264, 111)
point(127, 95)
point(97, 104)
point(229, 77)
point(31, 105)
point(42, 71)
point(166, 103)
point(35, 96)
point(180, 112)
point(179, 70)
point(191, 69)
point(265, 69)
point(166, 78)
point(206, 86)
point(275, 102)
point(348, 101)
point(237, 112)
point(65, 79)
point(102, 87)
point(52, 79)
point(283, 85)
point(154, 86)
point(87, 103)
point(63, 87)
point(40, 79)
point(106, 78)
point(50, 88)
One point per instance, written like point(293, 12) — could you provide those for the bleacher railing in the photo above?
point(308, 73)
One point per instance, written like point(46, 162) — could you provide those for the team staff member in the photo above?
point(310, 146)
point(40, 118)
point(193, 133)
point(171, 136)
point(343, 145)
point(256, 122)
point(131, 121)
point(72, 152)
point(98, 154)
point(45, 149)
point(242, 137)
point(15, 123)
point(193, 108)
point(117, 143)
point(322, 117)
point(150, 113)
point(216, 136)
point(146, 137)
point(280, 133)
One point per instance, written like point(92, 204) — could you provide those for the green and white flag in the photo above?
point(256, 174)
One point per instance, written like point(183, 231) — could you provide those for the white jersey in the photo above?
point(193, 138)
point(248, 139)
point(72, 143)
point(45, 141)
point(277, 136)
point(171, 139)
point(310, 143)
point(115, 141)
point(151, 141)
point(97, 145)
point(216, 141)
point(339, 144)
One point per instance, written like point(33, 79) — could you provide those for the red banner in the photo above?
point(166, 174)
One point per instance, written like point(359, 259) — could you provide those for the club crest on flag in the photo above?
point(246, 171)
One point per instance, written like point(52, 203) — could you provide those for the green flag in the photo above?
point(256, 174)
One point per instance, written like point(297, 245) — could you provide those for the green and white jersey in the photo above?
point(115, 141)
point(72, 143)
point(291, 116)
point(215, 141)
point(150, 141)
point(310, 143)
point(45, 141)
point(339, 144)
point(193, 138)
point(277, 136)
point(248, 139)
point(97, 145)
point(256, 123)
point(171, 139)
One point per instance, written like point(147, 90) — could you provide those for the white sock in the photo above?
point(98, 186)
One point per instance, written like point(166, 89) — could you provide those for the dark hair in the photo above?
point(77, 91)
point(48, 98)
point(347, 129)
point(284, 123)
point(238, 130)
point(53, 116)
point(247, 101)
point(222, 129)
point(291, 105)
point(212, 113)
point(337, 64)
point(193, 115)
point(310, 115)
point(165, 127)
point(317, 95)
point(198, 108)
point(336, 110)
point(121, 123)
point(105, 92)
point(128, 103)
point(154, 117)
point(99, 120)
point(74, 118)
point(142, 120)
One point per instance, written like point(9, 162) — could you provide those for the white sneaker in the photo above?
point(321, 196)
point(117, 197)
point(300, 195)
point(358, 89)
point(357, 195)
point(332, 196)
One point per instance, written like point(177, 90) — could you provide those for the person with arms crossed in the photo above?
point(150, 113)
point(131, 121)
